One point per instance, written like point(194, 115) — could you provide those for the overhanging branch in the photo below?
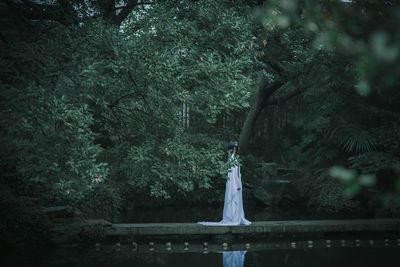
point(275, 64)
point(282, 99)
point(125, 11)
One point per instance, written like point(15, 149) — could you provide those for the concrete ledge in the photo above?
point(316, 226)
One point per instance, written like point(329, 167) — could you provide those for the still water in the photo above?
point(363, 253)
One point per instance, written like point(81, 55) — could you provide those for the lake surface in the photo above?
point(353, 253)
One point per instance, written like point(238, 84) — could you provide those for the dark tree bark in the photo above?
point(265, 98)
point(265, 91)
point(125, 11)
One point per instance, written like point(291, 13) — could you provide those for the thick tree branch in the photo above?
point(265, 91)
point(125, 11)
point(115, 102)
point(298, 91)
point(275, 64)
point(282, 99)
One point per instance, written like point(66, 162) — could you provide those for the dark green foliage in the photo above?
point(102, 115)
point(102, 202)
point(91, 112)
point(373, 162)
point(179, 165)
point(352, 139)
point(347, 115)
point(325, 192)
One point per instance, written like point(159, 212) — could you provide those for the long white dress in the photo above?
point(233, 258)
point(233, 213)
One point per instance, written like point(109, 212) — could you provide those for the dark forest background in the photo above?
point(116, 106)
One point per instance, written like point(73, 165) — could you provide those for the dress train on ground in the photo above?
point(233, 213)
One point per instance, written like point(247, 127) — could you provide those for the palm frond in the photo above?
point(352, 138)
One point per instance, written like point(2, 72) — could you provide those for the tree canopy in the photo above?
point(96, 103)
point(109, 104)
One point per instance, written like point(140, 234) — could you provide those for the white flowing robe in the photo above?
point(233, 258)
point(233, 213)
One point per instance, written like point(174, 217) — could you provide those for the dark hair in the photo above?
point(233, 143)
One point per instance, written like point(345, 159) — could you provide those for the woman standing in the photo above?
point(233, 213)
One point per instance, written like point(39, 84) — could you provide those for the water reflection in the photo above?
point(233, 258)
point(378, 254)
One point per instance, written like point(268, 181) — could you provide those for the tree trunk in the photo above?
point(265, 91)
point(248, 126)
